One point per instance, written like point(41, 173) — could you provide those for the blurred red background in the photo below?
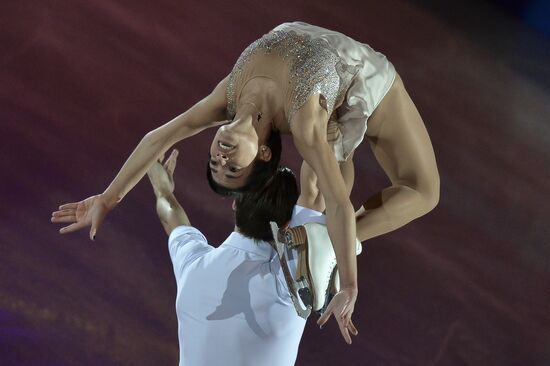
point(81, 82)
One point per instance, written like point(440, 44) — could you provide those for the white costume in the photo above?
point(232, 303)
point(305, 59)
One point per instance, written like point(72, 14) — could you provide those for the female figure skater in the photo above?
point(294, 80)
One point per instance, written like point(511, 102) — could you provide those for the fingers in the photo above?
point(344, 330)
point(326, 316)
point(170, 164)
point(344, 310)
point(352, 328)
point(72, 227)
point(63, 212)
point(346, 326)
point(68, 205)
point(67, 215)
point(153, 169)
point(344, 319)
point(68, 218)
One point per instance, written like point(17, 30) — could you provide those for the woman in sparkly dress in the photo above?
point(321, 87)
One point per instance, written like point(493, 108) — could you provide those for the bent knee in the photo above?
point(309, 188)
point(431, 194)
point(310, 194)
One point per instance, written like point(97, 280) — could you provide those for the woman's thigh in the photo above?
point(400, 142)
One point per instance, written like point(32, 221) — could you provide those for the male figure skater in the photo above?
point(232, 302)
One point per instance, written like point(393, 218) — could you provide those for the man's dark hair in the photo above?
point(274, 202)
point(261, 172)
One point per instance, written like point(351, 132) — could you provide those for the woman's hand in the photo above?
point(342, 305)
point(90, 211)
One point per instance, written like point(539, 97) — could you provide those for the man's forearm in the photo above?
point(170, 212)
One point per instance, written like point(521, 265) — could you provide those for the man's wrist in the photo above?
point(168, 203)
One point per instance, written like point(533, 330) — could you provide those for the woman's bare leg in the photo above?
point(310, 195)
point(400, 142)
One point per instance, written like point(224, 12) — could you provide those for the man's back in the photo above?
point(232, 303)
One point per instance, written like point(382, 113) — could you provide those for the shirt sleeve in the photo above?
point(302, 215)
point(186, 244)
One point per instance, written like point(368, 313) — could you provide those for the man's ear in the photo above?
point(265, 153)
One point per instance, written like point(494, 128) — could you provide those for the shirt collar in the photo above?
point(241, 242)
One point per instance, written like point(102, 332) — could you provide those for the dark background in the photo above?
point(81, 82)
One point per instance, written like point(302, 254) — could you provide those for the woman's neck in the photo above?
point(260, 95)
point(249, 115)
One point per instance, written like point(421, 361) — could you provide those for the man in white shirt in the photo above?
point(232, 303)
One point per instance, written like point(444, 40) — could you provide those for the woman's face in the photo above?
point(231, 156)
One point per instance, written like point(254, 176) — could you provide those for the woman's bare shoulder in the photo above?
point(309, 123)
point(218, 96)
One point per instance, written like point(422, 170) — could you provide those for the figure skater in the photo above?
point(295, 80)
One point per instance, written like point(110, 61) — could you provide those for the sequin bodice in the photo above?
point(309, 66)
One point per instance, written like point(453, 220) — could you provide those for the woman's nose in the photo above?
point(222, 159)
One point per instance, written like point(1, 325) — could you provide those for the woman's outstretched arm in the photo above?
point(208, 112)
point(311, 141)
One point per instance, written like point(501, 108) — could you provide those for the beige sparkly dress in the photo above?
point(304, 59)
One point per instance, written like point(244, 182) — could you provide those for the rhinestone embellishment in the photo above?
point(313, 68)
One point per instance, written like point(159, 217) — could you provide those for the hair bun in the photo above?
point(284, 169)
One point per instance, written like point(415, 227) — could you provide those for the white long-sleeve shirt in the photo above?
point(232, 302)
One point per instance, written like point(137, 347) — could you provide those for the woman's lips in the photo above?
point(224, 146)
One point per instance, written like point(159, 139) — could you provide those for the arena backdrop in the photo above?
point(81, 82)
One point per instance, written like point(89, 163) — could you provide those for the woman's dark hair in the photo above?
point(274, 202)
point(260, 174)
